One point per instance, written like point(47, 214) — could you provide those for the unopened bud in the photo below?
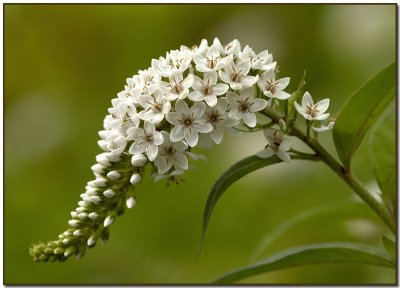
point(135, 179)
point(130, 202)
point(139, 160)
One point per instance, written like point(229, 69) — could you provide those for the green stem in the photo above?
point(328, 159)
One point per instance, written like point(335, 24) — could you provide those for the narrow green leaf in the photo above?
point(361, 110)
point(230, 176)
point(382, 153)
point(390, 246)
point(313, 254)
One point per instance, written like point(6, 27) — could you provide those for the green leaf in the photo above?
point(313, 254)
point(390, 246)
point(361, 110)
point(382, 153)
point(230, 176)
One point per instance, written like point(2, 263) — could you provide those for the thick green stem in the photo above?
point(328, 159)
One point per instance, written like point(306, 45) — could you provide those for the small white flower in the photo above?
point(188, 122)
point(175, 61)
point(201, 49)
point(244, 106)
point(236, 74)
point(171, 154)
point(273, 88)
point(233, 47)
point(212, 61)
point(312, 111)
point(132, 90)
point(178, 88)
point(277, 144)
point(149, 80)
point(146, 140)
point(218, 118)
point(261, 61)
point(207, 89)
point(173, 175)
point(324, 128)
point(155, 107)
point(123, 116)
point(116, 143)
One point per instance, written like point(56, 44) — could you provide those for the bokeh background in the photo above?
point(64, 63)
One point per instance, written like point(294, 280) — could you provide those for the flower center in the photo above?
point(148, 138)
point(170, 151)
point(244, 106)
point(236, 76)
point(212, 62)
point(312, 110)
point(270, 86)
point(207, 90)
point(187, 122)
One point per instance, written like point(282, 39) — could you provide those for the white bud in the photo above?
point(109, 193)
point(83, 203)
point(103, 160)
point(113, 157)
point(108, 221)
point(74, 214)
point(135, 179)
point(69, 251)
point(66, 241)
point(94, 199)
point(103, 145)
point(82, 216)
point(91, 241)
point(98, 183)
point(80, 209)
point(77, 233)
point(83, 196)
point(113, 175)
point(103, 134)
point(67, 233)
point(73, 223)
point(97, 168)
point(91, 192)
point(139, 160)
point(130, 202)
point(93, 215)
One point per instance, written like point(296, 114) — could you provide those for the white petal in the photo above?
point(266, 153)
point(250, 119)
point(181, 161)
point(137, 147)
point(283, 83)
point(283, 155)
point(173, 118)
point(177, 133)
point(244, 67)
point(211, 100)
point(249, 80)
point(149, 127)
point(235, 114)
point(196, 96)
point(224, 76)
point(220, 89)
point(191, 137)
point(322, 105)
point(282, 95)
point(222, 105)
point(299, 108)
point(210, 78)
point(321, 117)
point(188, 82)
point(197, 83)
point(152, 151)
point(217, 135)
point(204, 127)
point(158, 138)
point(286, 144)
point(181, 107)
point(307, 100)
point(258, 105)
point(197, 110)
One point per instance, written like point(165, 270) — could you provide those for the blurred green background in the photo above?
point(63, 65)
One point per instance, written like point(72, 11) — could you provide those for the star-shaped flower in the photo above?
point(219, 119)
point(175, 61)
point(236, 74)
point(273, 88)
point(178, 88)
point(261, 61)
point(155, 107)
point(277, 144)
point(207, 89)
point(233, 47)
point(171, 154)
point(146, 140)
point(212, 61)
point(312, 111)
point(188, 122)
point(245, 105)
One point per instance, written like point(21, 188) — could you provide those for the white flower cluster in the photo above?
point(203, 90)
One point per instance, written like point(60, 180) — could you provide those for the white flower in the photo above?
point(207, 89)
point(219, 119)
point(201, 49)
point(178, 88)
point(236, 74)
point(212, 61)
point(154, 107)
point(312, 111)
point(261, 61)
point(146, 140)
point(273, 88)
point(175, 61)
point(132, 90)
point(188, 122)
point(149, 80)
point(245, 105)
point(277, 144)
point(324, 128)
point(116, 143)
point(171, 154)
point(173, 176)
point(233, 47)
